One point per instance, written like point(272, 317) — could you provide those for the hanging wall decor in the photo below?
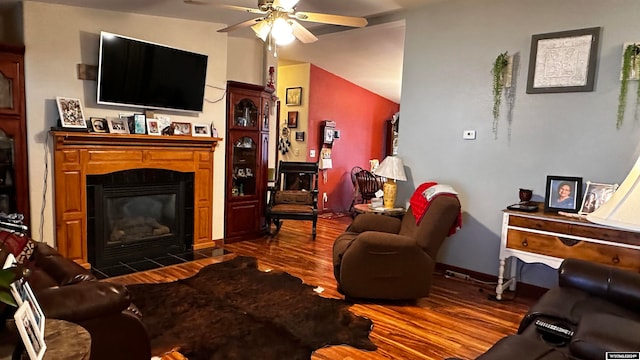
point(501, 74)
point(630, 71)
point(284, 143)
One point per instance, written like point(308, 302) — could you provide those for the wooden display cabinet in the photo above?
point(247, 160)
point(14, 178)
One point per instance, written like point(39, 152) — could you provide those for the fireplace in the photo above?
point(137, 214)
point(79, 155)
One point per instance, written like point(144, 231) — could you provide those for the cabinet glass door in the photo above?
point(6, 92)
point(245, 113)
point(245, 159)
point(7, 189)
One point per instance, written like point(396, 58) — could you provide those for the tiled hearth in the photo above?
point(156, 262)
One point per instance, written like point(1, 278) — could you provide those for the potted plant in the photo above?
point(629, 62)
point(498, 72)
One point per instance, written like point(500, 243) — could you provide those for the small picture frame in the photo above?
point(563, 193)
point(596, 194)
point(294, 96)
point(22, 293)
point(214, 132)
point(181, 128)
point(140, 124)
point(292, 119)
point(99, 125)
point(118, 125)
point(299, 135)
point(203, 130)
point(153, 127)
point(31, 337)
point(70, 111)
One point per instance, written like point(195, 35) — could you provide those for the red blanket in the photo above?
point(420, 205)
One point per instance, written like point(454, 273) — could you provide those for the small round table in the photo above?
point(66, 340)
point(366, 208)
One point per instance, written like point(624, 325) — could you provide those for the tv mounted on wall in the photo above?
point(142, 74)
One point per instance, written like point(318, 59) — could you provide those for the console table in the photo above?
point(538, 237)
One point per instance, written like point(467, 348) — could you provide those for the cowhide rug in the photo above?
point(231, 310)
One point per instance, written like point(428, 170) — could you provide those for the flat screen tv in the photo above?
point(142, 74)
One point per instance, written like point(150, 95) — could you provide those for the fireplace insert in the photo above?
point(138, 214)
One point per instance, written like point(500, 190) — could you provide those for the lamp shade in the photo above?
point(622, 209)
point(391, 168)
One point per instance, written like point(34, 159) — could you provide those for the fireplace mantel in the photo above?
point(78, 154)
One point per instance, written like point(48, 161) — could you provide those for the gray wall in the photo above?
point(449, 49)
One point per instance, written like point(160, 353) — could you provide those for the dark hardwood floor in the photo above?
point(456, 320)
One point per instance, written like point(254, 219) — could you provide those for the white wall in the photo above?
point(59, 37)
point(449, 49)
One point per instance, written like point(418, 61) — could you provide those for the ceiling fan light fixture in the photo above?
point(285, 39)
point(262, 29)
point(285, 4)
point(282, 31)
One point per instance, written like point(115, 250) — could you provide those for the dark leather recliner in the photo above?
point(598, 303)
point(382, 257)
point(67, 291)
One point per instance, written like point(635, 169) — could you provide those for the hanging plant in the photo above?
point(629, 59)
point(498, 74)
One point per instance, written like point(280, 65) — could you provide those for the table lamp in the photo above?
point(622, 209)
point(392, 169)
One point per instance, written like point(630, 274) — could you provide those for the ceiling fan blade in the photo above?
point(196, 2)
point(241, 8)
point(241, 25)
point(301, 33)
point(331, 19)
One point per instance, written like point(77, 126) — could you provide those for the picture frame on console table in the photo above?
point(32, 338)
point(140, 124)
point(71, 114)
point(203, 130)
point(563, 193)
point(596, 194)
point(181, 128)
point(99, 125)
point(153, 127)
point(118, 125)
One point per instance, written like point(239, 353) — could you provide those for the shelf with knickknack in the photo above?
point(14, 190)
point(247, 160)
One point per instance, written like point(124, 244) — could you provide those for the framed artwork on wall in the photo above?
point(292, 119)
point(563, 61)
point(294, 96)
point(563, 193)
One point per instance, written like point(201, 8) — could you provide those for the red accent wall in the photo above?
point(360, 116)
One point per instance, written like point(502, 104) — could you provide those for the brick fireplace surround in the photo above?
point(78, 154)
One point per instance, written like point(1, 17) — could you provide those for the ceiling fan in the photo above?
point(278, 21)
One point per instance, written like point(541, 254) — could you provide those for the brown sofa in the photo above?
point(67, 291)
point(597, 306)
point(382, 257)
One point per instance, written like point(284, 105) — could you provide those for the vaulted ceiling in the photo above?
point(370, 57)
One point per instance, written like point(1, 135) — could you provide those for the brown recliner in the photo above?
point(382, 257)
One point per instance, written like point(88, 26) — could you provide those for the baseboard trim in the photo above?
point(525, 290)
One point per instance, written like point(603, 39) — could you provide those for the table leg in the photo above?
point(499, 287)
